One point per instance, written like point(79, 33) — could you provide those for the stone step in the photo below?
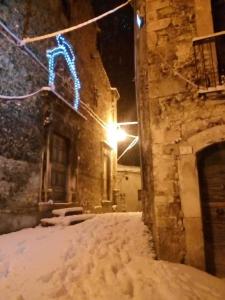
point(70, 211)
point(66, 221)
point(106, 202)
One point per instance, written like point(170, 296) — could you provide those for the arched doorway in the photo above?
point(211, 171)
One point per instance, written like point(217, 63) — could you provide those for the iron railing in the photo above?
point(209, 54)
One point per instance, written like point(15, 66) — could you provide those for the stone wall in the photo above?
point(20, 129)
point(129, 185)
point(96, 91)
point(177, 115)
point(21, 122)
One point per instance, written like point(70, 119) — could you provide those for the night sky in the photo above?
point(116, 45)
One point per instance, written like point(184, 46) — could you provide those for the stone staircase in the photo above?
point(66, 216)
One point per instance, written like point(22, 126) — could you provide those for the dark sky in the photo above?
point(116, 46)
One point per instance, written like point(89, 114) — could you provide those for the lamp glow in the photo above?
point(64, 49)
point(120, 135)
point(115, 134)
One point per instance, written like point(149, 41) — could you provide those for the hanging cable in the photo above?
point(44, 88)
point(16, 41)
point(177, 73)
point(50, 35)
point(130, 146)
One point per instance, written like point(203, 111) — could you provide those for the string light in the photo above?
point(65, 49)
point(16, 42)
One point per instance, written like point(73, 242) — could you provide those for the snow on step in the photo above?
point(67, 211)
point(65, 221)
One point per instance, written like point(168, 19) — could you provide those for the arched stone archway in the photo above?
point(190, 193)
point(211, 170)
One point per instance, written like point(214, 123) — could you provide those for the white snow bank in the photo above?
point(106, 258)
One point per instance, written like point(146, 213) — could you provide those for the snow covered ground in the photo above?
point(106, 258)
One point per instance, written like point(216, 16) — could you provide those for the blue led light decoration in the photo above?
point(64, 49)
point(139, 20)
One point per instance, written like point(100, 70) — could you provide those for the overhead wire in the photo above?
point(63, 31)
point(17, 41)
point(131, 145)
point(21, 44)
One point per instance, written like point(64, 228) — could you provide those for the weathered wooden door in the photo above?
point(107, 172)
point(59, 167)
point(211, 169)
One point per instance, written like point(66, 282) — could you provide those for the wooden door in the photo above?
point(59, 167)
point(106, 177)
point(107, 173)
point(211, 169)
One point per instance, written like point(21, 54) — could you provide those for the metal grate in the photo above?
point(209, 54)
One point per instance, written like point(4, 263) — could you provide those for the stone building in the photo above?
point(129, 185)
point(50, 154)
point(180, 71)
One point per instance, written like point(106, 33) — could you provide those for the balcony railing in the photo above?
point(209, 54)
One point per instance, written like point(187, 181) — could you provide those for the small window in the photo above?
point(218, 10)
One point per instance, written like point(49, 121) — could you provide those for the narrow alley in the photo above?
point(108, 257)
point(112, 150)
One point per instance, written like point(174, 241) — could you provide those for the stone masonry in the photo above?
point(175, 124)
point(22, 123)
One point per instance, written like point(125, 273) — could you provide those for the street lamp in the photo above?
point(115, 134)
point(121, 135)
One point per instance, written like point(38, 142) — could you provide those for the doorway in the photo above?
point(107, 191)
point(211, 171)
point(59, 159)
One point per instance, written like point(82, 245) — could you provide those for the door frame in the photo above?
point(68, 146)
point(72, 136)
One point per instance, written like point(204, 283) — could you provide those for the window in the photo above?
point(210, 51)
point(218, 9)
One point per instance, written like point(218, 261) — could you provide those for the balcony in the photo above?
point(209, 54)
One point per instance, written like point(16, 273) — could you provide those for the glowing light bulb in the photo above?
point(115, 134)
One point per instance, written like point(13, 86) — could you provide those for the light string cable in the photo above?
point(130, 146)
point(12, 38)
point(178, 74)
point(50, 35)
point(44, 88)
